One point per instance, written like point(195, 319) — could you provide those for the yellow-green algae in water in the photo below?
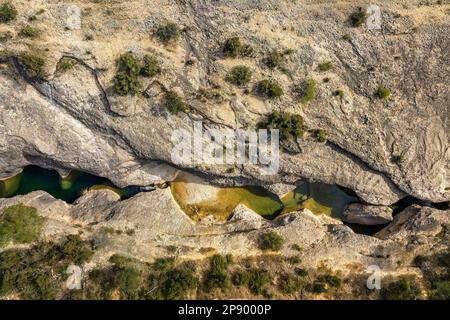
point(9, 186)
point(317, 197)
point(258, 199)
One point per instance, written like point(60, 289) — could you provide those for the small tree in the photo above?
point(271, 241)
point(239, 75)
point(269, 89)
point(168, 32)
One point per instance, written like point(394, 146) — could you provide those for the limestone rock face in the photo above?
point(367, 215)
point(382, 149)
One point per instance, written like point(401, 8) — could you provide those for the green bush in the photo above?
point(290, 284)
point(66, 64)
point(403, 289)
point(168, 32)
point(301, 272)
point(174, 103)
point(20, 224)
point(217, 276)
point(331, 280)
point(358, 17)
point(127, 279)
point(271, 241)
point(177, 283)
point(164, 264)
point(76, 250)
point(347, 37)
point(7, 13)
point(126, 84)
point(319, 287)
point(419, 260)
point(239, 75)
point(29, 32)
point(321, 135)
point(234, 48)
point(130, 64)
point(308, 92)
point(291, 126)
point(442, 291)
point(383, 92)
point(294, 260)
point(269, 89)
point(274, 59)
point(258, 279)
point(325, 66)
point(150, 67)
point(339, 93)
point(34, 65)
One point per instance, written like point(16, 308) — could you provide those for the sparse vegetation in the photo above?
point(308, 93)
point(271, 241)
point(234, 48)
point(174, 103)
point(66, 64)
point(398, 158)
point(239, 75)
point(269, 89)
point(339, 93)
point(403, 289)
point(383, 92)
point(217, 276)
point(164, 264)
point(290, 284)
point(7, 13)
point(291, 126)
point(326, 281)
point(254, 279)
point(20, 224)
point(33, 64)
point(325, 66)
point(126, 84)
point(359, 17)
point(168, 33)
point(347, 37)
point(150, 67)
point(321, 135)
point(29, 32)
point(294, 260)
point(274, 59)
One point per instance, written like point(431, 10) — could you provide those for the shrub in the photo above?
point(319, 287)
point(150, 67)
point(20, 224)
point(239, 75)
point(66, 64)
point(269, 89)
point(347, 37)
point(301, 272)
point(309, 92)
point(358, 17)
point(274, 60)
point(403, 289)
point(76, 250)
point(321, 135)
point(177, 283)
point(127, 279)
point(232, 47)
point(442, 291)
point(164, 264)
point(271, 241)
point(130, 64)
point(7, 13)
point(325, 66)
point(217, 276)
point(294, 260)
point(34, 65)
point(174, 103)
point(331, 280)
point(290, 284)
point(419, 260)
point(398, 158)
point(258, 279)
point(339, 93)
point(168, 32)
point(126, 84)
point(291, 126)
point(383, 92)
point(29, 32)
point(246, 50)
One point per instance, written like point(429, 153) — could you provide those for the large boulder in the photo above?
point(367, 215)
